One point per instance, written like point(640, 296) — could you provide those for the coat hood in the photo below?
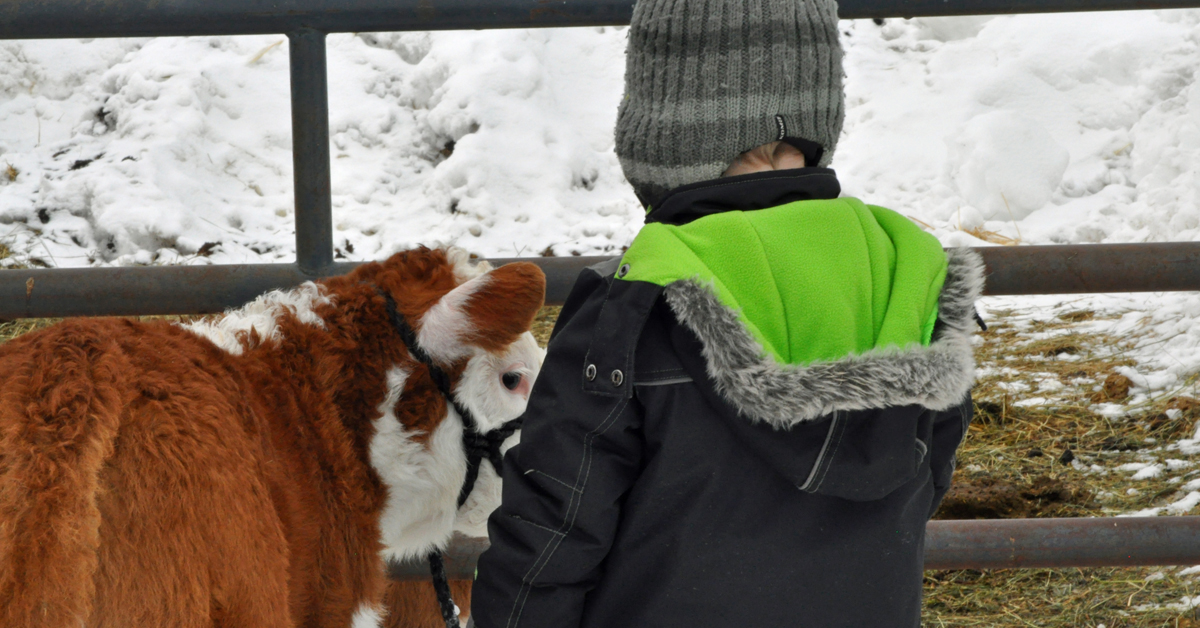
point(936, 376)
point(805, 303)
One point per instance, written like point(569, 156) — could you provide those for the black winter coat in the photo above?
point(640, 497)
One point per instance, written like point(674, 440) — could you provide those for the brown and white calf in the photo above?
point(258, 469)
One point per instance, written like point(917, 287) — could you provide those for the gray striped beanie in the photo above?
point(706, 80)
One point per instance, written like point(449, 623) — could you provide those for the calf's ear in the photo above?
point(488, 312)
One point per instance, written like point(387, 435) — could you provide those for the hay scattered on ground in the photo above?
point(8, 259)
point(1051, 439)
point(12, 329)
point(1059, 598)
point(1050, 436)
point(544, 324)
point(992, 236)
point(21, 326)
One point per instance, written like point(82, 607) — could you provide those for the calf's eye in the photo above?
point(511, 380)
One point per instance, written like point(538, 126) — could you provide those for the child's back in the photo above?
point(748, 419)
point(674, 470)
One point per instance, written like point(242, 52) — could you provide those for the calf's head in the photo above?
point(471, 322)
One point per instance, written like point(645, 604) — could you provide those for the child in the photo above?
point(749, 418)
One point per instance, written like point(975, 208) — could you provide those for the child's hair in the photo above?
point(772, 156)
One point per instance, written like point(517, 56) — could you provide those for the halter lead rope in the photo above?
point(476, 444)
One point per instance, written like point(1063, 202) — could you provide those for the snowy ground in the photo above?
point(1031, 129)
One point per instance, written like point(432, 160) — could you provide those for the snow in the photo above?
point(1151, 471)
point(1004, 165)
point(141, 151)
point(1185, 505)
point(1181, 506)
point(1144, 471)
point(1102, 86)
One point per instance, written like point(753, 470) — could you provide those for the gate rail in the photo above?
point(44, 19)
point(131, 290)
point(201, 289)
point(983, 544)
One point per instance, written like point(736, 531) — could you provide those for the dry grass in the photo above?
point(1054, 598)
point(1014, 463)
point(992, 236)
point(1030, 447)
point(6, 253)
point(544, 324)
point(261, 54)
point(11, 329)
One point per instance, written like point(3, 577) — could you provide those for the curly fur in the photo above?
point(761, 389)
point(253, 471)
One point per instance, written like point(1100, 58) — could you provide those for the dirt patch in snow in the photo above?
point(996, 498)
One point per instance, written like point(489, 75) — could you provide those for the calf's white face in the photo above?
point(495, 389)
point(424, 478)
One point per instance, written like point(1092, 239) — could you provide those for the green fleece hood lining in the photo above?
point(811, 280)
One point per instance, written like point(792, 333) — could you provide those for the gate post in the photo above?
point(310, 150)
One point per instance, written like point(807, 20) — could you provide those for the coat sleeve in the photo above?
point(949, 429)
point(563, 487)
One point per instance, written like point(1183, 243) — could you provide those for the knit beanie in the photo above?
point(706, 80)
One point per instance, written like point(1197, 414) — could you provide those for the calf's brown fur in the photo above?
point(228, 474)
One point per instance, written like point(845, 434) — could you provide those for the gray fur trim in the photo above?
point(761, 389)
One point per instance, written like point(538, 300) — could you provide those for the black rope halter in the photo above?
point(476, 444)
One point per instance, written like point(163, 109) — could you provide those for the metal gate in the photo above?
point(204, 289)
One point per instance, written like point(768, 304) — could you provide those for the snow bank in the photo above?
point(1004, 165)
point(144, 151)
point(1114, 90)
